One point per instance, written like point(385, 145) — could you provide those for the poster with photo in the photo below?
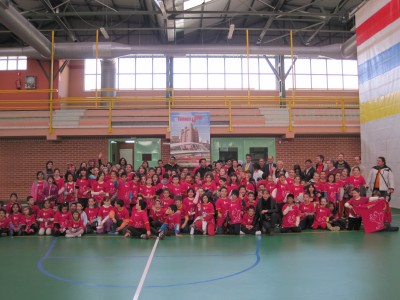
point(190, 137)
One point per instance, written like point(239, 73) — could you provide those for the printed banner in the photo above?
point(373, 215)
point(190, 137)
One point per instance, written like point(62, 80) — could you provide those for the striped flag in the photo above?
point(378, 53)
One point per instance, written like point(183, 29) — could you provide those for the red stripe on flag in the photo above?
point(382, 18)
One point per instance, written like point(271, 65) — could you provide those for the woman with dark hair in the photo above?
point(122, 162)
point(310, 189)
point(267, 213)
point(141, 170)
point(49, 168)
point(298, 171)
point(145, 165)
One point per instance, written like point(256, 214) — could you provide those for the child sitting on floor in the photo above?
point(248, 223)
point(322, 214)
point(291, 216)
point(172, 222)
point(76, 227)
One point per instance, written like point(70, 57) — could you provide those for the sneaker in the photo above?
point(112, 232)
point(336, 228)
point(392, 228)
point(258, 232)
point(68, 235)
point(161, 235)
point(143, 236)
point(191, 231)
point(241, 232)
point(79, 235)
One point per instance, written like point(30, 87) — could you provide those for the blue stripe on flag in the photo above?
point(380, 64)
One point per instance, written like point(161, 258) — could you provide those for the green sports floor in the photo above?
point(311, 265)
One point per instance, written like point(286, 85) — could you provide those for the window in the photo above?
point(11, 63)
point(324, 74)
point(258, 152)
point(133, 72)
point(228, 153)
point(223, 72)
point(217, 72)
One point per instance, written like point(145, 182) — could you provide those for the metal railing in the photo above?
point(190, 102)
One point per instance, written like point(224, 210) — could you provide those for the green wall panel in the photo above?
point(147, 146)
point(242, 145)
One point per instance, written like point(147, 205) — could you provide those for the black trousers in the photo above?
point(354, 224)
point(269, 222)
point(136, 232)
point(290, 229)
point(248, 231)
point(234, 229)
point(4, 232)
point(307, 222)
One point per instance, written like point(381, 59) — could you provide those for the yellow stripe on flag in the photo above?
point(379, 108)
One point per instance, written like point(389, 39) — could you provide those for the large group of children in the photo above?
point(222, 198)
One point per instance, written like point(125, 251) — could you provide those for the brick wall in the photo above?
point(20, 159)
point(165, 150)
point(301, 148)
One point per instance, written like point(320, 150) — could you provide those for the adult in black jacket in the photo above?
point(267, 213)
point(342, 164)
point(308, 171)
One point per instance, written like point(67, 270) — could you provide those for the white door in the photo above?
point(127, 154)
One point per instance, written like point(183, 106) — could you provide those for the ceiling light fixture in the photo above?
point(231, 30)
point(104, 33)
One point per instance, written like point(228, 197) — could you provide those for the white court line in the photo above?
point(146, 270)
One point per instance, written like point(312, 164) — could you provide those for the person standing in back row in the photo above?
point(381, 178)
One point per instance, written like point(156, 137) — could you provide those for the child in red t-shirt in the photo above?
point(76, 227)
point(235, 213)
point(13, 199)
point(29, 225)
point(291, 216)
point(139, 226)
point(307, 212)
point(4, 223)
point(46, 218)
point(205, 221)
point(322, 215)
point(354, 218)
point(172, 222)
point(15, 218)
point(31, 203)
point(92, 212)
point(221, 206)
point(61, 220)
point(249, 223)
